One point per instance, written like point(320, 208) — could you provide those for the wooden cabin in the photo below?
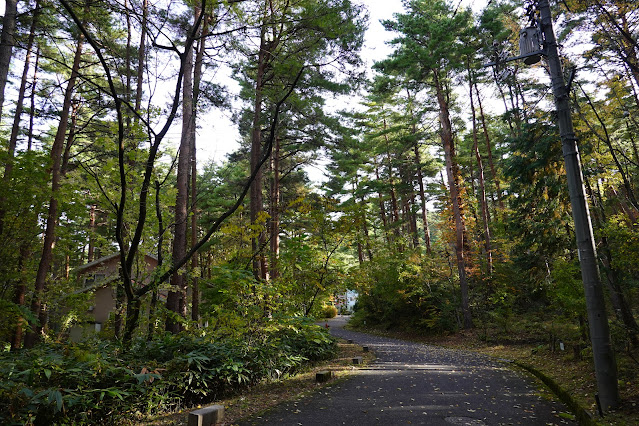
point(100, 277)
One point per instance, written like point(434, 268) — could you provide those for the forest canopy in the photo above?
point(444, 204)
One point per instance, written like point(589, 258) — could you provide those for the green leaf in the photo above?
point(58, 399)
point(55, 395)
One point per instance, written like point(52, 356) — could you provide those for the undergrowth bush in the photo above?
point(405, 291)
point(328, 311)
point(94, 381)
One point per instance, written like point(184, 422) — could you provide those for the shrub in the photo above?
point(93, 381)
point(408, 292)
point(329, 311)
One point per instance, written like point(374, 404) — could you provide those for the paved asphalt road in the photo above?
point(413, 383)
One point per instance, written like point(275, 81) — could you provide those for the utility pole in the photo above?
point(603, 354)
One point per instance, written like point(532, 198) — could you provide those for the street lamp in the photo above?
point(602, 351)
point(530, 45)
point(537, 40)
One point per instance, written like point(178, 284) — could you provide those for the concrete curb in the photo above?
point(207, 416)
point(583, 417)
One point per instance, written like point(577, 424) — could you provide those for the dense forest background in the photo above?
point(445, 204)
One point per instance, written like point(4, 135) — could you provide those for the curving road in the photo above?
point(419, 384)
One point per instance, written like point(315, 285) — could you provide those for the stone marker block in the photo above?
point(365, 348)
point(350, 341)
point(357, 360)
point(207, 416)
point(323, 376)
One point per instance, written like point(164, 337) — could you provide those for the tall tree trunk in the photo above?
point(256, 203)
point(360, 247)
point(119, 307)
point(133, 305)
point(154, 294)
point(382, 206)
point(514, 103)
point(195, 291)
point(412, 210)
point(408, 202)
point(275, 210)
point(506, 114)
point(20, 297)
point(452, 174)
point(489, 150)
point(391, 180)
point(7, 41)
point(605, 138)
point(367, 239)
point(70, 139)
point(34, 86)
point(141, 55)
point(127, 64)
point(197, 78)
point(635, 149)
point(482, 187)
point(420, 175)
point(175, 301)
point(37, 305)
point(422, 197)
point(15, 129)
point(629, 46)
point(91, 248)
point(619, 302)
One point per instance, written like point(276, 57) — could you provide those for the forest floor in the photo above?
point(260, 398)
point(570, 369)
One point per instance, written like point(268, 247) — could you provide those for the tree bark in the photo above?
point(197, 78)
point(175, 301)
point(34, 81)
point(127, 62)
point(482, 186)
point(391, 180)
point(422, 197)
point(605, 138)
point(37, 306)
point(15, 129)
point(360, 247)
point(20, 297)
point(452, 174)
point(154, 295)
point(7, 41)
point(408, 202)
point(382, 206)
point(70, 139)
point(420, 175)
point(489, 150)
point(367, 239)
point(119, 307)
point(141, 56)
point(275, 210)
point(256, 203)
point(91, 248)
point(619, 302)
